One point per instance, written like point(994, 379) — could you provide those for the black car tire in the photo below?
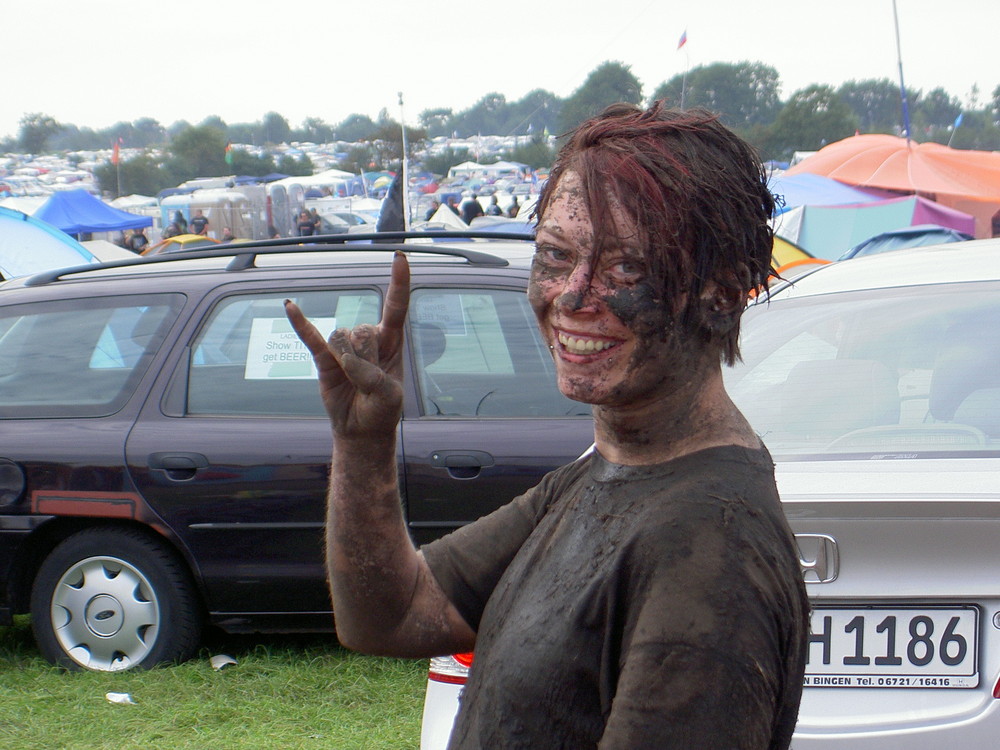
point(109, 599)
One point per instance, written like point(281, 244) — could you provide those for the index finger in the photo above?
point(397, 298)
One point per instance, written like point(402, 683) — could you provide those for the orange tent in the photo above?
point(965, 180)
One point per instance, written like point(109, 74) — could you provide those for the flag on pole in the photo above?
point(115, 152)
point(683, 39)
point(390, 217)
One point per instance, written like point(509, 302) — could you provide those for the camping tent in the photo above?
point(807, 189)
point(829, 231)
point(28, 245)
point(77, 211)
point(965, 180)
point(898, 239)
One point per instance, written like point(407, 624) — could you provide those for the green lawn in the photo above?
point(284, 692)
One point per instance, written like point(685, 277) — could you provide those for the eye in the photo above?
point(626, 270)
point(551, 254)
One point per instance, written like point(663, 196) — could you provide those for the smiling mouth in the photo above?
point(575, 345)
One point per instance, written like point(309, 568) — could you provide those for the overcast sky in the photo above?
point(93, 63)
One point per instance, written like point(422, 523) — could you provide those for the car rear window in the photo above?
point(79, 358)
point(888, 374)
point(248, 361)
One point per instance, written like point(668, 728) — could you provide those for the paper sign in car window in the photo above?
point(275, 352)
point(444, 310)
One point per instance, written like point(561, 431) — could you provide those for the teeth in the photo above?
point(583, 346)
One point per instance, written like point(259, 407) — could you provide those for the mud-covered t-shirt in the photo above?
point(632, 607)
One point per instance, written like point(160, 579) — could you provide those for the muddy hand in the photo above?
point(361, 370)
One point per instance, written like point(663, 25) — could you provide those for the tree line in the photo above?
point(745, 94)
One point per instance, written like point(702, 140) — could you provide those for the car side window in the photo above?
point(902, 373)
point(248, 361)
point(478, 353)
point(79, 358)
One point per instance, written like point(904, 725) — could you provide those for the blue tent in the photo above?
point(29, 246)
point(898, 239)
point(77, 211)
point(815, 190)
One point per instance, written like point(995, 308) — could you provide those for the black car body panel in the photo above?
point(234, 475)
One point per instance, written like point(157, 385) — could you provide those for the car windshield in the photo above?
point(905, 373)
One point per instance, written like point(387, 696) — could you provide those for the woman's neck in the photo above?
point(692, 418)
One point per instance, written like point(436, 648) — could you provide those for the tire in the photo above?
point(110, 599)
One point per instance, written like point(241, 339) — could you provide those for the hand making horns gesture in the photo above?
point(361, 369)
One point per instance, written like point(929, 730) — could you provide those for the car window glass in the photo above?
point(79, 357)
point(247, 360)
point(478, 353)
point(900, 373)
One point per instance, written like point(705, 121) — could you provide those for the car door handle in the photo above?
point(179, 465)
point(462, 464)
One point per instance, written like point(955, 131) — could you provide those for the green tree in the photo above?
point(934, 115)
point(978, 132)
point(72, 138)
point(355, 128)
point(435, 121)
point(198, 152)
point(274, 129)
point(534, 113)
point(177, 128)
point(995, 105)
point(441, 162)
point(214, 121)
point(314, 130)
point(358, 159)
point(35, 130)
point(609, 83)
point(387, 142)
point(142, 175)
point(297, 167)
point(147, 132)
point(487, 116)
point(745, 94)
point(876, 103)
point(812, 118)
point(244, 162)
point(534, 152)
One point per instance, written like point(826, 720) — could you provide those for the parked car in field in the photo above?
point(164, 452)
point(876, 386)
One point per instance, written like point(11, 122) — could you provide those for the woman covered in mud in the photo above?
point(649, 594)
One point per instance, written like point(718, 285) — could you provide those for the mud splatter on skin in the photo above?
point(608, 293)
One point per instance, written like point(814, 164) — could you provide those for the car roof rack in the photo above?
point(244, 254)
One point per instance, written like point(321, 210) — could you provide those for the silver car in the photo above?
point(875, 384)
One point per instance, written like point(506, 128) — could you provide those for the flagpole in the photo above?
point(406, 182)
point(687, 64)
point(902, 86)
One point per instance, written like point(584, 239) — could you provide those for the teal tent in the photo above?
point(29, 245)
point(829, 231)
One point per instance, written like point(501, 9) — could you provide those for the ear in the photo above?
point(721, 306)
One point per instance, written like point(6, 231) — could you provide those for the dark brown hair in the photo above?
point(696, 192)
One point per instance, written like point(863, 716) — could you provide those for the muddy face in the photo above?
point(612, 336)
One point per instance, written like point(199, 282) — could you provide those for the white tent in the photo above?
point(465, 168)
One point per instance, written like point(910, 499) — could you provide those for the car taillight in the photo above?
point(996, 690)
point(451, 669)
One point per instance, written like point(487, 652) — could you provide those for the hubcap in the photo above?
point(105, 614)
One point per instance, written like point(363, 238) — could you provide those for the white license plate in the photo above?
point(911, 647)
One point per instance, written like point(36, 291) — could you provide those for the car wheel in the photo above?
point(113, 599)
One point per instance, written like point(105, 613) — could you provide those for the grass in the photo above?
point(284, 692)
